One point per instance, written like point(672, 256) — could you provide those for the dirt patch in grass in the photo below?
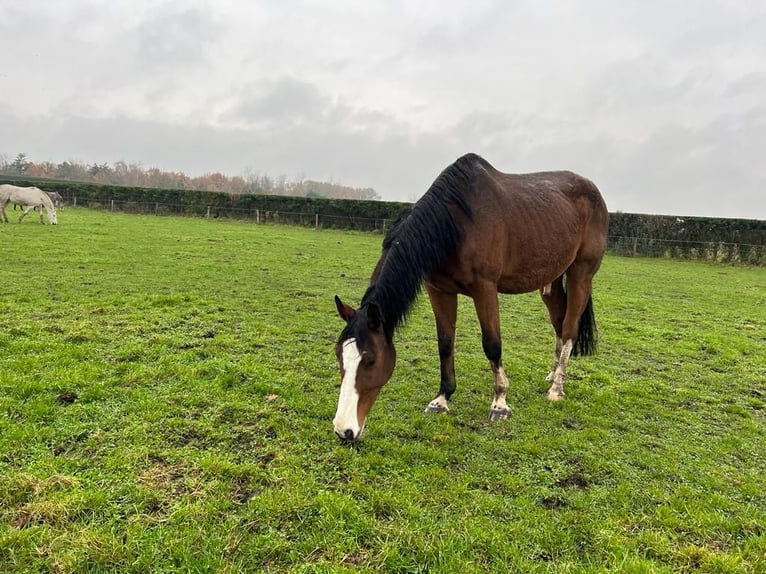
point(553, 502)
point(242, 490)
point(576, 479)
point(173, 480)
point(66, 398)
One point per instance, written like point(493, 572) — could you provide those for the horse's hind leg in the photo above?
point(444, 306)
point(488, 312)
point(555, 300)
point(578, 293)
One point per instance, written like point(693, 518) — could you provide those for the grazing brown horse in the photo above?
point(476, 232)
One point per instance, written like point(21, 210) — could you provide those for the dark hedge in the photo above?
point(718, 239)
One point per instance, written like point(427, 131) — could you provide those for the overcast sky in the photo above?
point(661, 104)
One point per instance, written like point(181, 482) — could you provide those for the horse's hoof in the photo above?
point(549, 377)
point(556, 395)
point(434, 407)
point(499, 414)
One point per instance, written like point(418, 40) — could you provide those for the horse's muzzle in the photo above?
point(346, 436)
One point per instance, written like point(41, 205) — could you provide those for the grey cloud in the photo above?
point(686, 171)
point(483, 129)
point(750, 85)
point(280, 101)
point(175, 36)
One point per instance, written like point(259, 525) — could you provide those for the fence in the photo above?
point(719, 251)
point(625, 245)
point(255, 214)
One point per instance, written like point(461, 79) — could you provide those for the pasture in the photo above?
point(167, 387)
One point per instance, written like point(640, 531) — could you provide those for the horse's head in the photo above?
point(366, 357)
point(52, 216)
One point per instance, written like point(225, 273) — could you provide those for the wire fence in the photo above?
point(718, 251)
point(255, 214)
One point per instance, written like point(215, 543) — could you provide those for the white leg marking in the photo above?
point(556, 355)
point(500, 409)
point(345, 417)
point(556, 392)
point(438, 405)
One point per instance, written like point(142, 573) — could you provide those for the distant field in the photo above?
point(167, 387)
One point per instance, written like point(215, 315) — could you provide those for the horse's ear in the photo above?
point(346, 312)
point(373, 317)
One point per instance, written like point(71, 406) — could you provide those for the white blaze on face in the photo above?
point(345, 417)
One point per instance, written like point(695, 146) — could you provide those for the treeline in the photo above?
point(135, 175)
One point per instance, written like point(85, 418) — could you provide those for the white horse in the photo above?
point(29, 197)
point(56, 198)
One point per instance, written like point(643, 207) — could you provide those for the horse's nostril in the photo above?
point(345, 436)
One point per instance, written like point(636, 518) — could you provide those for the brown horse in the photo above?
point(476, 232)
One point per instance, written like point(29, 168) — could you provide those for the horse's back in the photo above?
point(527, 229)
point(21, 195)
point(540, 193)
point(7, 192)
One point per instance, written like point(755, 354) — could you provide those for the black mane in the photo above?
point(422, 237)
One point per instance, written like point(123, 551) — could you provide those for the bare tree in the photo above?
point(20, 165)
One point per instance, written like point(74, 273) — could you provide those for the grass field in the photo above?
point(167, 387)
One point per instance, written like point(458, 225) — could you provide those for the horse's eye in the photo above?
point(368, 359)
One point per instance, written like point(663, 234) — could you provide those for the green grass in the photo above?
point(167, 387)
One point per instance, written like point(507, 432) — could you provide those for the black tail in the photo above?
point(587, 336)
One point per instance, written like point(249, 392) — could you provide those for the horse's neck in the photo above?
point(378, 267)
point(394, 288)
point(47, 202)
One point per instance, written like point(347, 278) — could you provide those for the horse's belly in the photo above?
point(517, 284)
point(525, 274)
point(514, 267)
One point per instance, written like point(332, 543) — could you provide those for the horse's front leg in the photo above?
point(444, 306)
point(488, 311)
point(24, 213)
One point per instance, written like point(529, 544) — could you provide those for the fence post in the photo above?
point(112, 206)
point(74, 201)
point(316, 221)
point(257, 215)
point(156, 207)
point(208, 212)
